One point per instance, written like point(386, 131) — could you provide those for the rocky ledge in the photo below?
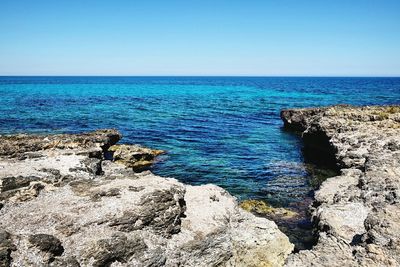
point(356, 214)
point(78, 200)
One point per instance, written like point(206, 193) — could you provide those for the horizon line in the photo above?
point(216, 76)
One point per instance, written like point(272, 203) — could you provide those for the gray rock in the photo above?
point(6, 247)
point(61, 210)
point(134, 156)
point(21, 145)
point(47, 243)
point(117, 248)
point(354, 213)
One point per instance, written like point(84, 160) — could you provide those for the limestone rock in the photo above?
point(134, 156)
point(6, 247)
point(47, 243)
point(343, 220)
point(353, 212)
point(73, 205)
point(24, 146)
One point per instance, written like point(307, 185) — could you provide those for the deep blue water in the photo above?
point(222, 130)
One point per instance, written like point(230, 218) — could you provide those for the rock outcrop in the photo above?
point(76, 200)
point(356, 214)
point(134, 156)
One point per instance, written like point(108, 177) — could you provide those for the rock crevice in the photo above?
point(356, 212)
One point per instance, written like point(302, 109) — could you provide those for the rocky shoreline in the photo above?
point(78, 200)
point(356, 214)
point(84, 200)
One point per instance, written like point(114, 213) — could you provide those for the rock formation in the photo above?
point(76, 200)
point(356, 214)
point(82, 200)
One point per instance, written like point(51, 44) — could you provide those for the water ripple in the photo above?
point(222, 130)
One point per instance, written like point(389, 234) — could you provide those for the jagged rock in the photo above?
point(6, 247)
point(64, 262)
point(353, 212)
point(117, 248)
point(342, 220)
point(23, 145)
point(216, 232)
point(47, 243)
point(72, 205)
point(134, 156)
point(329, 251)
point(333, 189)
point(161, 210)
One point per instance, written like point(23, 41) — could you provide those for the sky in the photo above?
point(228, 38)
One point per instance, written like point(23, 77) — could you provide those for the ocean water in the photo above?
point(221, 130)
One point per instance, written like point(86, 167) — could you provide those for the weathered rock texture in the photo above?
point(357, 213)
point(65, 200)
point(134, 156)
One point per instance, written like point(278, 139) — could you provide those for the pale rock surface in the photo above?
point(62, 203)
point(356, 214)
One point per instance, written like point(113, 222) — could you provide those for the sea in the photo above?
point(221, 130)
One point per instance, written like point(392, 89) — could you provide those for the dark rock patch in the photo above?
point(161, 210)
point(47, 243)
point(118, 248)
point(6, 247)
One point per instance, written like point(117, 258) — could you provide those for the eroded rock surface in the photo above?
point(134, 156)
point(356, 213)
point(65, 200)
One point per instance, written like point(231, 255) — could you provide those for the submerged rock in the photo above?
point(73, 205)
point(133, 156)
point(354, 212)
point(262, 208)
point(293, 221)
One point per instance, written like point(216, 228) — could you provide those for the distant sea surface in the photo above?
point(221, 130)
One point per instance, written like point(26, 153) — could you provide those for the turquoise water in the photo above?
point(220, 130)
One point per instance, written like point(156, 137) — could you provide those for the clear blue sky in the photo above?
point(281, 37)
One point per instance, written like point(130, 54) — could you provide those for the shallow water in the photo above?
point(221, 130)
